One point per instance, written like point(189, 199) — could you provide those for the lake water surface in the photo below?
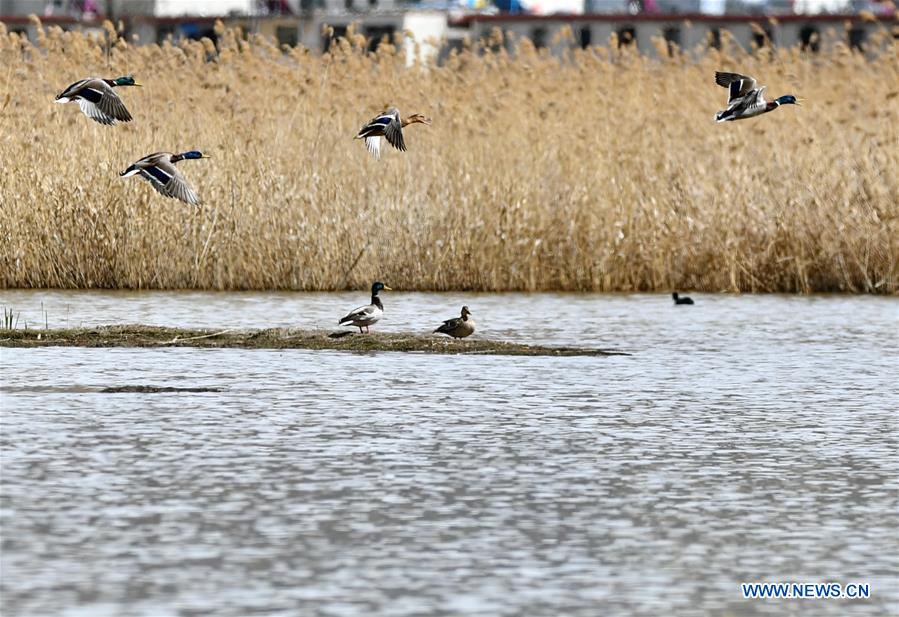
point(745, 439)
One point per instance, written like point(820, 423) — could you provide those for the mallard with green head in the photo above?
point(97, 99)
point(745, 100)
point(458, 327)
point(366, 316)
point(388, 125)
point(159, 170)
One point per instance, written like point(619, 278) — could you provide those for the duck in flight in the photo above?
point(458, 327)
point(390, 126)
point(366, 316)
point(159, 170)
point(745, 100)
point(97, 99)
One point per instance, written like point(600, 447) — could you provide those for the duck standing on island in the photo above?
point(365, 316)
point(458, 327)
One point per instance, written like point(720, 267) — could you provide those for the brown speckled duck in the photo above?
point(458, 327)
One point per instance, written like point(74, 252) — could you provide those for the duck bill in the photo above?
point(386, 288)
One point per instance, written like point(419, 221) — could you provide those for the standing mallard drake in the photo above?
point(365, 316)
point(744, 100)
point(159, 170)
point(97, 99)
point(390, 126)
point(458, 327)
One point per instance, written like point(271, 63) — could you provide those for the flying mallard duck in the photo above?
point(365, 316)
point(744, 100)
point(97, 99)
point(458, 327)
point(390, 126)
point(159, 169)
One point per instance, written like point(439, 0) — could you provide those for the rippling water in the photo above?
point(748, 438)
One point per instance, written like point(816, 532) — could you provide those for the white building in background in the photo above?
point(553, 7)
point(176, 8)
point(812, 7)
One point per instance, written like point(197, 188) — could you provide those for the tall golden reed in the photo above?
point(599, 170)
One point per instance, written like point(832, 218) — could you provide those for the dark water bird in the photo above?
point(97, 99)
point(366, 316)
point(390, 126)
point(679, 300)
point(745, 100)
point(458, 327)
point(159, 170)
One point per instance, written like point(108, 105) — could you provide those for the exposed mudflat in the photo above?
point(278, 338)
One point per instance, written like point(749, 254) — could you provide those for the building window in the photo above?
point(348, 5)
point(762, 36)
point(714, 38)
point(538, 37)
point(286, 35)
point(672, 39)
point(857, 36)
point(627, 35)
point(809, 38)
point(586, 37)
point(327, 41)
point(373, 3)
point(376, 34)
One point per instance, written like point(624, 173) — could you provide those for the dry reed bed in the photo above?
point(597, 171)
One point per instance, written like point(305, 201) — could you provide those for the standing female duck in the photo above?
point(365, 316)
point(458, 327)
point(390, 126)
point(744, 100)
point(97, 99)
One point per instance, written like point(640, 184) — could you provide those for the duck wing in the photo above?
point(738, 85)
point(161, 173)
point(166, 179)
point(449, 325)
point(112, 106)
point(393, 132)
point(363, 312)
point(73, 90)
point(97, 100)
point(376, 126)
point(374, 146)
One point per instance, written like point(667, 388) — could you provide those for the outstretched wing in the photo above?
point(97, 100)
point(393, 132)
point(164, 177)
point(377, 126)
point(112, 106)
point(374, 146)
point(72, 90)
point(169, 182)
point(738, 85)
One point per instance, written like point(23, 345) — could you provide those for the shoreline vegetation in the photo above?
point(600, 170)
point(279, 338)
